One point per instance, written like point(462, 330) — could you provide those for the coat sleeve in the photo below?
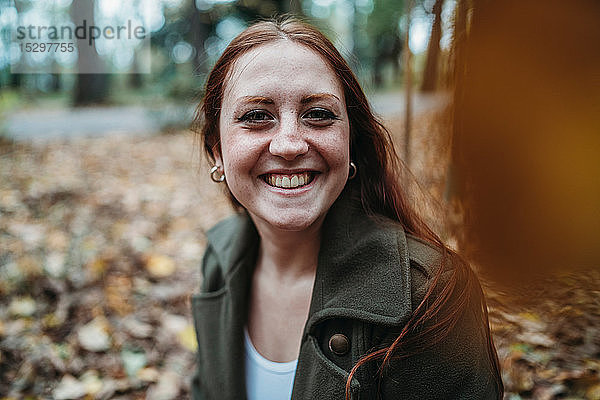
point(211, 278)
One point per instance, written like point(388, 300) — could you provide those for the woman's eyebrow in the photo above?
point(318, 96)
point(255, 99)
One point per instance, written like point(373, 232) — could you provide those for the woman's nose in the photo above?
point(288, 141)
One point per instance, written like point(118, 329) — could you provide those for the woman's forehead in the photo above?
point(281, 68)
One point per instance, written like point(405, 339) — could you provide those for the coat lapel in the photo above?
point(220, 316)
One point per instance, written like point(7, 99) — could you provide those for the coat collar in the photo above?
point(363, 265)
point(363, 268)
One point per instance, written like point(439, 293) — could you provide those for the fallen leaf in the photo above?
point(69, 388)
point(187, 338)
point(96, 268)
point(55, 264)
point(133, 361)
point(167, 388)
point(91, 382)
point(30, 266)
point(57, 240)
point(160, 266)
point(136, 328)
point(118, 292)
point(174, 323)
point(148, 374)
point(50, 321)
point(31, 234)
point(94, 335)
point(22, 307)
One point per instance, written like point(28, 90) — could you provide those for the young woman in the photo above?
point(326, 285)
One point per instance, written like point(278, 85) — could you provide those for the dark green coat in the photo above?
point(370, 276)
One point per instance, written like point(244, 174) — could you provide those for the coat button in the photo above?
point(339, 344)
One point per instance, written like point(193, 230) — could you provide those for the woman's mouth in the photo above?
point(289, 181)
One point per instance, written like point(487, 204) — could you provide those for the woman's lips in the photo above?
point(289, 181)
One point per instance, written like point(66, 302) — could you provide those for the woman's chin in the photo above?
point(288, 221)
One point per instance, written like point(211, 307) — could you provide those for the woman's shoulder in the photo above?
point(424, 255)
point(426, 259)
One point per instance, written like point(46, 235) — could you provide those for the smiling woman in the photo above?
point(326, 275)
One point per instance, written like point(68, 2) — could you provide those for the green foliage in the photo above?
point(9, 100)
point(383, 20)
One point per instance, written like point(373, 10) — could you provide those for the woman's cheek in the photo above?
point(241, 154)
point(337, 148)
point(235, 147)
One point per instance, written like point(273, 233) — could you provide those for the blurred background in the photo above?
point(105, 198)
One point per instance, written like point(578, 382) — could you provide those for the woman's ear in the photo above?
point(216, 150)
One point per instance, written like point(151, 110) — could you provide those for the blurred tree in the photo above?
point(526, 143)
point(252, 10)
point(15, 80)
point(384, 35)
point(454, 189)
point(201, 24)
point(136, 80)
point(90, 88)
point(430, 74)
point(408, 78)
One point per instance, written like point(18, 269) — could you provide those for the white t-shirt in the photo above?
point(265, 379)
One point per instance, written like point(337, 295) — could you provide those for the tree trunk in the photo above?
point(453, 187)
point(430, 75)
point(408, 84)
point(90, 88)
point(15, 80)
point(200, 27)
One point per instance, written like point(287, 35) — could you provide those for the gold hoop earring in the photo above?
point(353, 171)
point(212, 174)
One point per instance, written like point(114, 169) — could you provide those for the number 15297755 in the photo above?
point(55, 47)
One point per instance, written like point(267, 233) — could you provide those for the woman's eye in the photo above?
point(320, 116)
point(255, 116)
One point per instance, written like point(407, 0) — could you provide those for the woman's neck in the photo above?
point(288, 255)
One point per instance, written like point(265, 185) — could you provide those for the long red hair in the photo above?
point(380, 191)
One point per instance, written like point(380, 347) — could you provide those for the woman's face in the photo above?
point(284, 135)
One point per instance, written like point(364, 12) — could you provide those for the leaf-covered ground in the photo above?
point(100, 243)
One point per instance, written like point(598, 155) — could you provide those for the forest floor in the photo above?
point(101, 240)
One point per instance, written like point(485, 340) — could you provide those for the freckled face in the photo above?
point(284, 135)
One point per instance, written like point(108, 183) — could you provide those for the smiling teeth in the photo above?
point(289, 181)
